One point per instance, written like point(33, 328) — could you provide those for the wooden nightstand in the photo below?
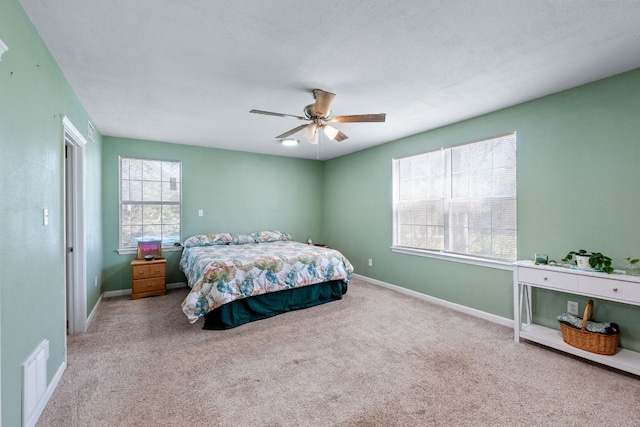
point(148, 278)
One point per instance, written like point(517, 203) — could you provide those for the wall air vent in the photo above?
point(34, 384)
point(91, 131)
point(3, 49)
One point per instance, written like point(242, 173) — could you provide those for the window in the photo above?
point(459, 200)
point(150, 201)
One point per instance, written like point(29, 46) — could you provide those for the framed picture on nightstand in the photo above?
point(152, 247)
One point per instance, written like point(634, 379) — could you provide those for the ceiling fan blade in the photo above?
point(356, 118)
point(341, 136)
point(323, 102)
point(271, 113)
point(291, 132)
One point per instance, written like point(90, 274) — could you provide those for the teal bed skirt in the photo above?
point(258, 307)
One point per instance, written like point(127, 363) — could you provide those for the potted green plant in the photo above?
point(633, 268)
point(585, 259)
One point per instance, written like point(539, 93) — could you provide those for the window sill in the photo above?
point(464, 259)
point(131, 251)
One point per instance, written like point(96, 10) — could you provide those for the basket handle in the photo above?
point(588, 312)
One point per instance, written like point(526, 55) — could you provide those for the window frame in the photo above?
point(443, 254)
point(165, 247)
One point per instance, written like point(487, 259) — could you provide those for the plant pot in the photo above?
point(582, 261)
point(632, 270)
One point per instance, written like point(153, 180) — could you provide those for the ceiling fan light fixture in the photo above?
point(289, 142)
point(330, 131)
point(309, 130)
point(314, 139)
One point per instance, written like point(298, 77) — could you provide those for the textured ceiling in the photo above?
point(189, 71)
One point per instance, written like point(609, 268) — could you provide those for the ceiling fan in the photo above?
point(319, 114)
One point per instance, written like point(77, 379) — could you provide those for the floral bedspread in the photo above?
point(223, 273)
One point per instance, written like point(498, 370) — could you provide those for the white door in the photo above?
point(74, 241)
point(69, 154)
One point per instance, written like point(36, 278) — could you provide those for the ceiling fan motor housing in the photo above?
point(312, 115)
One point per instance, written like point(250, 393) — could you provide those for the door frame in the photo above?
point(76, 286)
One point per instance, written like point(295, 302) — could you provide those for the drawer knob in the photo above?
point(158, 270)
point(615, 289)
point(149, 285)
point(141, 271)
point(546, 278)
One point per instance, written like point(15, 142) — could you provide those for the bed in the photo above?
point(239, 278)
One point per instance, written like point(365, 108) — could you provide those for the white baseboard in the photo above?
point(93, 313)
point(118, 293)
point(47, 395)
point(123, 292)
point(458, 307)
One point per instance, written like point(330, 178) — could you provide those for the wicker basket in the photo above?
point(589, 341)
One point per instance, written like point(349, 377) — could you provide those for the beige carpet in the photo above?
point(376, 358)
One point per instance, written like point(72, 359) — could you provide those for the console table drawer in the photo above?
point(548, 279)
point(610, 289)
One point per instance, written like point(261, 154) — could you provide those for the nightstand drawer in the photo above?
point(146, 285)
point(157, 270)
point(140, 271)
point(548, 279)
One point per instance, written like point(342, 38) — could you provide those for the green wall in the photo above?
point(578, 174)
point(239, 192)
point(34, 95)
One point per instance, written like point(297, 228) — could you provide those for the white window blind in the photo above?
point(150, 201)
point(459, 200)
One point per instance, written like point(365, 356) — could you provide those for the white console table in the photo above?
point(611, 287)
